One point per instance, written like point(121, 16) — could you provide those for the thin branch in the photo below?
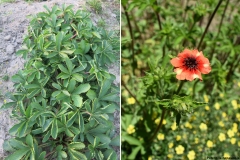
point(209, 22)
point(125, 86)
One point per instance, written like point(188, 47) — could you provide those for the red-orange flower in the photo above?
point(190, 64)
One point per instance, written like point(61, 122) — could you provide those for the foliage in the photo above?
point(64, 98)
point(96, 5)
point(163, 118)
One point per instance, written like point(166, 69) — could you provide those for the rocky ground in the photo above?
point(13, 25)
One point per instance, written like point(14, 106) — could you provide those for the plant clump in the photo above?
point(64, 97)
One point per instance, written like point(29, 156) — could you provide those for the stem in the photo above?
point(180, 87)
point(130, 29)
point(209, 22)
point(220, 25)
point(194, 86)
point(159, 23)
point(124, 85)
point(158, 127)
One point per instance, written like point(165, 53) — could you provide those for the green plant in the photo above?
point(7, 1)
point(165, 116)
point(96, 5)
point(101, 23)
point(5, 78)
point(64, 96)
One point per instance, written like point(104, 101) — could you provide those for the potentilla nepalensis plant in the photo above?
point(180, 68)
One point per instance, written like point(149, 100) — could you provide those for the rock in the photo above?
point(7, 38)
point(10, 49)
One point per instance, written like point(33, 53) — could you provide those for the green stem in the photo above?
point(180, 87)
point(125, 86)
point(209, 22)
point(194, 86)
point(158, 127)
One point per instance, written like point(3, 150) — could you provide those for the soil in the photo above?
point(13, 27)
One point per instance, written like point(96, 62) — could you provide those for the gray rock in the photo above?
point(7, 38)
point(10, 49)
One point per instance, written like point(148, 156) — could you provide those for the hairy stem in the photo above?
point(158, 127)
point(209, 22)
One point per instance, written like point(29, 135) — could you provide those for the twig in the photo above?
point(124, 85)
point(209, 22)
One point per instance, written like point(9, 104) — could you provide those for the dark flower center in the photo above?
point(190, 63)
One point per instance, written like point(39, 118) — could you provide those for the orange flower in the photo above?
point(190, 64)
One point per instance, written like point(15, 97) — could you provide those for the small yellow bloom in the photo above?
point(230, 133)
point(217, 106)
point(160, 136)
point(207, 108)
point(238, 116)
point(191, 155)
point(188, 125)
point(226, 155)
point(196, 140)
point(221, 95)
point(205, 98)
point(233, 140)
point(157, 121)
point(234, 104)
point(220, 123)
point(154, 115)
point(224, 114)
point(235, 128)
point(141, 118)
point(222, 137)
point(130, 129)
point(150, 158)
point(178, 138)
point(203, 126)
point(164, 121)
point(238, 84)
point(170, 145)
point(238, 143)
point(5, 101)
point(179, 149)
point(209, 144)
point(170, 156)
point(174, 126)
point(131, 100)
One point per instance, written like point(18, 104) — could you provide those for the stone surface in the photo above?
point(10, 49)
point(7, 38)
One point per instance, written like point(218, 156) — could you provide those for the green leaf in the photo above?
point(81, 122)
point(77, 77)
point(17, 155)
point(134, 152)
point(15, 128)
point(77, 100)
point(63, 69)
point(72, 119)
point(59, 38)
point(57, 86)
point(71, 85)
point(96, 34)
point(91, 94)
point(76, 145)
point(54, 129)
point(29, 140)
point(33, 93)
point(75, 155)
point(115, 141)
point(131, 140)
point(66, 92)
point(82, 88)
point(110, 108)
point(106, 84)
point(32, 86)
point(69, 65)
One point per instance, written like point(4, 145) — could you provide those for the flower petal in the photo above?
point(176, 62)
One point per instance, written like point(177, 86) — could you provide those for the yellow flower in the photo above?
point(179, 149)
point(5, 101)
point(178, 138)
point(222, 137)
point(233, 140)
point(174, 126)
point(235, 128)
point(154, 115)
point(196, 140)
point(221, 95)
point(238, 84)
point(238, 143)
point(160, 136)
point(230, 133)
point(203, 126)
point(157, 121)
point(191, 155)
point(150, 158)
point(217, 106)
point(170, 145)
point(224, 114)
point(205, 98)
point(209, 144)
point(226, 155)
point(234, 104)
point(130, 129)
point(131, 100)
point(170, 156)
point(238, 116)
point(207, 108)
point(188, 125)
point(220, 123)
